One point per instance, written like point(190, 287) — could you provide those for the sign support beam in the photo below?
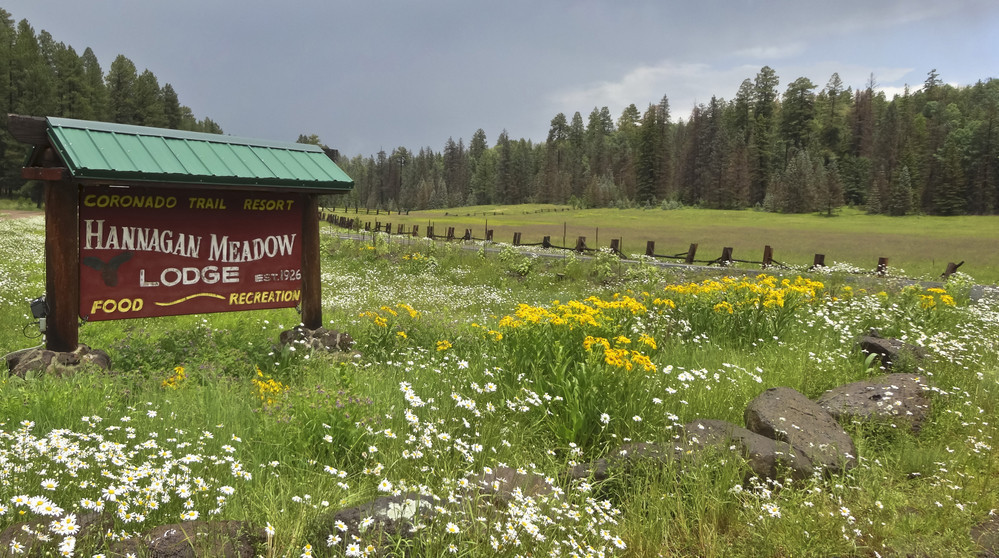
point(312, 287)
point(62, 266)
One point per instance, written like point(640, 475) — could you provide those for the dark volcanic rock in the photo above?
point(193, 539)
point(623, 458)
point(889, 350)
point(784, 414)
point(391, 515)
point(321, 339)
point(58, 363)
point(766, 457)
point(504, 483)
point(895, 396)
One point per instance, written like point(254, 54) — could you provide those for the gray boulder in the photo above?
point(902, 397)
point(889, 351)
point(92, 528)
point(194, 539)
point(389, 515)
point(320, 339)
point(785, 415)
point(503, 483)
point(57, 363)
point(624, 458)
point(766, 457)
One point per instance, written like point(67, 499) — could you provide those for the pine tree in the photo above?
point(900, 194)
point(121, 91)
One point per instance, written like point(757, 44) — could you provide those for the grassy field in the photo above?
point(469, 361)
point(919, 246)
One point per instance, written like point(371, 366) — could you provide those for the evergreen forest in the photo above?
point(806, 149)
point(48, 78)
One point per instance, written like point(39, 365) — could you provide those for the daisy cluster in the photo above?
point(135, 467)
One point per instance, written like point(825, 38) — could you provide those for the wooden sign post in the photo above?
point(198, 223)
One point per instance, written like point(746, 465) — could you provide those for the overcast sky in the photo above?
point(374, 74)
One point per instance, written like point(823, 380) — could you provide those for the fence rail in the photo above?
point(689, 257)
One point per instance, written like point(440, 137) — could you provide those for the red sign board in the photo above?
point(162, 252)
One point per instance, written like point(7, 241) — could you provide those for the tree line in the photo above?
point(806, 149)
point(48, 78)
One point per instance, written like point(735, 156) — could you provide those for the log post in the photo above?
point(818, 261)
point(312, 288)
point(615, 245)
point(489, 235)
point(62, 266)
point(516, 239)
point(726, 257)
point(581, 244)
point(882, 266)
point(951, 269)
point(690, 254)
point(650, 248)
point(546, 242)
point(768, 256)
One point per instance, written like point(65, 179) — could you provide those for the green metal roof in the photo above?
point(121, 153)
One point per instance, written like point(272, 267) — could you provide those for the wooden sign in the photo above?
point(160, 251)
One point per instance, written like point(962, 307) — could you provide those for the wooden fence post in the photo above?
point(430, 231)
point(768, 256)
point(615, 245)
point(650, 248)
point(546, 242)
point(726, 257)
point(818, 261)
point(516, 239)
point(690, 254)
point(882, 266)
point(581, 244)
point(450, 233)
point(951, 269)
point(489, 235)
point(468, 234)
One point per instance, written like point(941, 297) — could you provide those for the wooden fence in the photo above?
point(689, 257)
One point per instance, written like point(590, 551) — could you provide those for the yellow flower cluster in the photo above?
point(496, 335)
point(763, 291)
point(444, 345)
point(573, 313)
point(173, 382)
point(268, 388)
point(376, 318)
point(936, 294)
point(380, 317)
point(620, 357)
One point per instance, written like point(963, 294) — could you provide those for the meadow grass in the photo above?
point(916, 246)
point(468, 361)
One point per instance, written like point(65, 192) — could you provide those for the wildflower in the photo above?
point(269, 529)
point(604, 418)
point(50, 484)
point(443, 345)
point(385, 486)
point(452, 528)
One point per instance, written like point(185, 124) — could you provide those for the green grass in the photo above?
point(462, 363)
point(921, 246)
